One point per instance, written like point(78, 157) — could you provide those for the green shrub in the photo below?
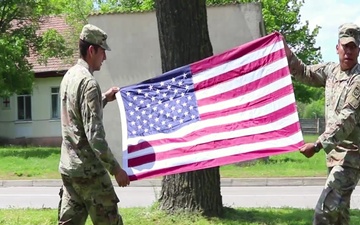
point(315, 109)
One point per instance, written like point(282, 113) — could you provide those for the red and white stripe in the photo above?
point(247, 110)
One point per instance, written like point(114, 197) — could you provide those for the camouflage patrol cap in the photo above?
point(349, 32)
point(94, 35)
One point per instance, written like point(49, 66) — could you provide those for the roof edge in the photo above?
point(46, 74)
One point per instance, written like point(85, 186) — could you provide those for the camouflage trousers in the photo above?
point(333, 206)
point(81, 197)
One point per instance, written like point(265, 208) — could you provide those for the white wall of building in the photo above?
point(41, 125)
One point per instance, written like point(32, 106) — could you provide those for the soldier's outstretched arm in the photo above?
point(312, 75)
point(91, 110)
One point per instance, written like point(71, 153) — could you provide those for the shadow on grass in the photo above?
point(267, 216)
point(266, 161)
point(284, 160)
point(29, 152)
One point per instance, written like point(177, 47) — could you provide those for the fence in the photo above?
point(312, 126)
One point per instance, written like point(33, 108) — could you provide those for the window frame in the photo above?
point(54, 115)
point(26, 106)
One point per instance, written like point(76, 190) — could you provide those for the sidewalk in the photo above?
point(225, 182)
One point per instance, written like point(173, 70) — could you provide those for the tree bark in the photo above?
point(184, 38)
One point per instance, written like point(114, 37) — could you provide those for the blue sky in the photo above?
point(329, 14)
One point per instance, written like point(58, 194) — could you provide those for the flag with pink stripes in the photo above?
point(228, 108)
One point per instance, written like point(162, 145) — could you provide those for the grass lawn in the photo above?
point(37, 163)
point(29, 163)
point(42, 163)
point(292, 164)
point(150, 216)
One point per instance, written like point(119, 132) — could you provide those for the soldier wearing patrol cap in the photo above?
point(86, 159)
point(349, 32)
point(94, 35)
point(341, 138)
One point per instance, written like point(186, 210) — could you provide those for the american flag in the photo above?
point(231, 107)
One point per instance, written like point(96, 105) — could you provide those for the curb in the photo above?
point(225, 182)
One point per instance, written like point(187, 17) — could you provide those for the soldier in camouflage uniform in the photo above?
point(341, 139)
point(85, 156)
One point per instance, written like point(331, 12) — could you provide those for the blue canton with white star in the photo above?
point(160, 105)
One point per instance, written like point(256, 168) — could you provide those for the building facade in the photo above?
point(34, 118)
point(135, 56)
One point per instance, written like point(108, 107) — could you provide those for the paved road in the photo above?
point(290, 196)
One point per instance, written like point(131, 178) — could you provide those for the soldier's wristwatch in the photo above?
point(317, 147)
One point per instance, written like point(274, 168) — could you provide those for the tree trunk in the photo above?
point(184, 38)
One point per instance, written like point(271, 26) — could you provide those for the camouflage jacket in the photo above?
point(84, 150)
point(341, 138)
